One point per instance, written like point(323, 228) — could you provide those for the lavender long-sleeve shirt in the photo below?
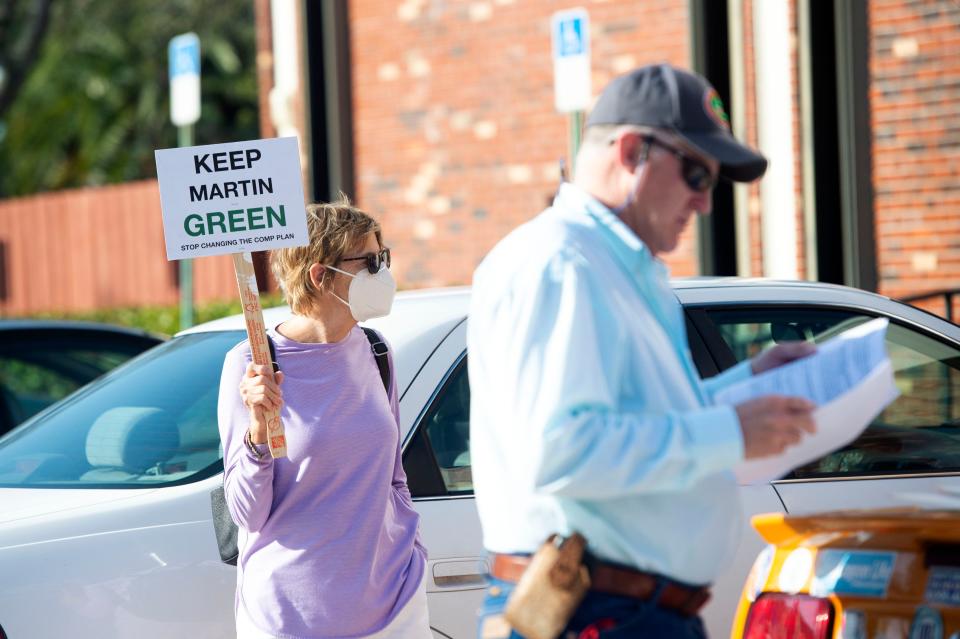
point(329, 542)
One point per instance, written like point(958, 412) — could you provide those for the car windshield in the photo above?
point(151, 422)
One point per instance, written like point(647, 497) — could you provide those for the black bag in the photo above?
point(223, 525)
point(224, 528)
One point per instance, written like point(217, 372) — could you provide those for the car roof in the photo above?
point(418, 321)
point(418, 308)
point(409, 309)
point(22, 324)
point(758, 291)
point(453, 301)
point(711, 281)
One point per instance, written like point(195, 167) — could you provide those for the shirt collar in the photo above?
point(621, 239)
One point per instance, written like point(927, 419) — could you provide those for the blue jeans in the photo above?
point(600, 616)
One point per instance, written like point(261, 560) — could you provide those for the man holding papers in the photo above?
point(587, 414)
point(850, 380)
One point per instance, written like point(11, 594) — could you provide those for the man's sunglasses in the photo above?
point(695, 173)
point(374, 260)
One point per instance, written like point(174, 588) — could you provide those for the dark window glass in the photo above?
point(442, 442)
point(150, 422)
point(28, 388)
point(40, 366)
point(918, 432)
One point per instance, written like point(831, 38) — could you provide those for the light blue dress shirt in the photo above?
point(587, 413)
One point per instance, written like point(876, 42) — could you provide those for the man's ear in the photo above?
point(316, 275)
point(633, 150)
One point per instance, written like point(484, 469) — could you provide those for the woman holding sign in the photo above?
point(329, 541)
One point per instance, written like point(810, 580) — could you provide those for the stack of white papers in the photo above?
point(849, 378)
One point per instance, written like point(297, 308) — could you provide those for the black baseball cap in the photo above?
point(665, 97)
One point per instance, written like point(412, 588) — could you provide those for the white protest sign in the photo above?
point(570, 35)
point(231, 198)
point(236, 198)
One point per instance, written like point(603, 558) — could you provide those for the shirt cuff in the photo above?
point(740, 372)
point(730, 376)
point(717, 440)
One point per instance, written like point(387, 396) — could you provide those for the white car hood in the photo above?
point(27, 503)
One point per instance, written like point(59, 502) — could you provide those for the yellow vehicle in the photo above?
point(889, 574)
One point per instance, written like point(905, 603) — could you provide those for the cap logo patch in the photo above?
point(713, 105)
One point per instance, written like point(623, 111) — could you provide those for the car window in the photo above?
point(442, 441)
point(35, 380)
point(41, 366)
point(28, 387)
point(918, 432)
point(149, 422)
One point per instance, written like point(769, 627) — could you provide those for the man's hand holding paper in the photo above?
point(781, 354)
point(849, 380)
point(772, 423)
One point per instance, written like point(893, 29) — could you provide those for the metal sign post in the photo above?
point(575, 135)
point(185, 138)
point(184, 63)
point(570, 36)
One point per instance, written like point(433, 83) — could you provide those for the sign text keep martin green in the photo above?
point(231, 198)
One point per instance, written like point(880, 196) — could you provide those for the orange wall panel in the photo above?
point(94, 248)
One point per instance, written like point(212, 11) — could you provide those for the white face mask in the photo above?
point(370, 295)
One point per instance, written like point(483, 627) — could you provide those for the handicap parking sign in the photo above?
point(184, 65)
point(571, 39)
point(570, 35)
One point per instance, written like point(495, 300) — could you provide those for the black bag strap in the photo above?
point(379, 348)
point(273, 355)
point(377, 345)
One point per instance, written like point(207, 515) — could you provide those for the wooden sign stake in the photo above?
point(259, 348)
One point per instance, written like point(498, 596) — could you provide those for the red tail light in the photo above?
point(781, 616)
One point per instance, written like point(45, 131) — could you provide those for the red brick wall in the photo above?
point(915, 93)
point(456, 138)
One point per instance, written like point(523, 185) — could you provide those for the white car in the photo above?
point(105, 524)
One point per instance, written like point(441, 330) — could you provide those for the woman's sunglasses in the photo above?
point(374, 260)
point(695, 173)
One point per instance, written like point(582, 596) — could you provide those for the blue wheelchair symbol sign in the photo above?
point(184, 55)
point(570, 44)
point(571, 39)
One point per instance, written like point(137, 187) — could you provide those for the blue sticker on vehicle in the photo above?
point(852, 572)
point(943, 586)
point(927, 624)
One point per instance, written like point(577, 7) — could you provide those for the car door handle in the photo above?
point(460, 574)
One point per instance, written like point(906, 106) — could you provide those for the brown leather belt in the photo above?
point(616, 580)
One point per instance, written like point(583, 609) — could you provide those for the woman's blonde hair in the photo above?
point(335, 229)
